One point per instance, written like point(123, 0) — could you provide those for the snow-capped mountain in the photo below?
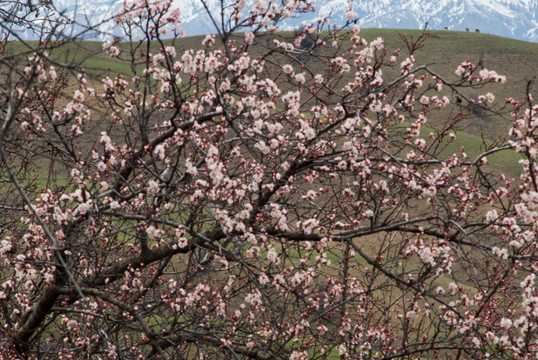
point(510, 18)
point(516, 19)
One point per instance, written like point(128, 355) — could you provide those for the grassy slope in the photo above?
point(518, 60)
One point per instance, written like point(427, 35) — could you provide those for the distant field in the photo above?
point(514, 58)
point(518, 60)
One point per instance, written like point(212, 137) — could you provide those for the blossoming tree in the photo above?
point(256, 199)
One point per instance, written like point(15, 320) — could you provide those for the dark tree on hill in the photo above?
point(305, 37)
point(232, 201)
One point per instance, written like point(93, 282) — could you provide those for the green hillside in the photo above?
point(517, 60)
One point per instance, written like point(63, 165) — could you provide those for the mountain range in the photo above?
point(517, 19)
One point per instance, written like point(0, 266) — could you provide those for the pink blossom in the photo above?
point(160, 151)
point(491, 215)
point(153, 187)
point(209, 40)
point(288, 69)
point(424, 100)
point(6, 246)
point(350, 15)
point(506, 323)
point(170, 51)
point(272, 256)
point(249, 37)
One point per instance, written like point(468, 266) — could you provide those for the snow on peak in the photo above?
point(510, 18)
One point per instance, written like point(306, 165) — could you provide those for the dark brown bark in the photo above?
point(32, 319)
